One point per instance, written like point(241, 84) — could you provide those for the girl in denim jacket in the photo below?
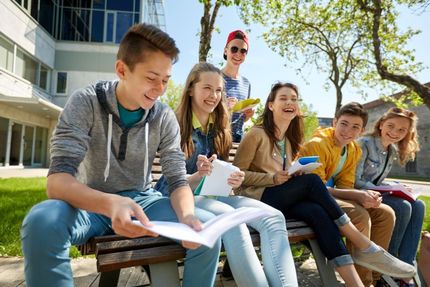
point(394, 136)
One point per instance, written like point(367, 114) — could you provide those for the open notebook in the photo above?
point(212, 229)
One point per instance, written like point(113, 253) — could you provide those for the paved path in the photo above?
point(85, 274)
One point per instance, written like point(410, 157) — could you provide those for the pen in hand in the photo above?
point(284, 163)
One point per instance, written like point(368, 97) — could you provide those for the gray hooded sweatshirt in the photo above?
point(92, 144)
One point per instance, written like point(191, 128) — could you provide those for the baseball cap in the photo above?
point(236, 34)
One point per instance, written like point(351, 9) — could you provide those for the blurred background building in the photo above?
point(48, 49)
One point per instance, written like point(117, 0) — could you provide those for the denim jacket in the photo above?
point(372, 163)
point(203, 144)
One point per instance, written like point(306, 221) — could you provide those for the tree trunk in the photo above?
point(339, 97)
point(207, 23)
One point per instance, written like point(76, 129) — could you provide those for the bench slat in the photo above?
point(114, 261)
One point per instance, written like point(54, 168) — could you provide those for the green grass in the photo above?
point(18, 195)
point(426, 224)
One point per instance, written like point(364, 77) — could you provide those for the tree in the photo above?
point(207, 24)
point(332, 36)
point(328, 34)
point(172, 95)
point(388, 69)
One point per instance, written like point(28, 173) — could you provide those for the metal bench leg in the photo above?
point(109, 279)
point(164, 274)
point(326, 272)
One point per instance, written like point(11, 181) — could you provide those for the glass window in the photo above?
point(25, 66)
point(47, 16)
point(4, 125)
point(40, 145)
point(123, 22)
point(15, 146)
point(411, 166)
point(110, 27)
point(97, 26)
point(6, 55)
point(61, 82)
point(43, 77)
point(30, 69)
point(28, 145)
point(137, 5)
point(99, 4)
point(123, 5)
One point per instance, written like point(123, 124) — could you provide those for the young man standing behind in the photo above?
point(339, 154)
point(100, 174)
point(237, 87)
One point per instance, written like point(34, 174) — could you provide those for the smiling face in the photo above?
point(347, 129)
point(286, 105)
point(142, 86)
point(394, 130)
point(236, 52)
point(207, 93)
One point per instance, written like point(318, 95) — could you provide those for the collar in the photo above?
point(198, 125)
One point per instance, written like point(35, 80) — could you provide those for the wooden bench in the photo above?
point(114, 252)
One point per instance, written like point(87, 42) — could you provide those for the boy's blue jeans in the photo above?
point(52, 226)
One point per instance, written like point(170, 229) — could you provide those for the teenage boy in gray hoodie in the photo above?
point(100, 175)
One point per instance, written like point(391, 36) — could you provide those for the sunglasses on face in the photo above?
point(234, 50)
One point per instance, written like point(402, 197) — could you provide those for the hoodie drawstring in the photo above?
point(108, 147)
point(145, 168)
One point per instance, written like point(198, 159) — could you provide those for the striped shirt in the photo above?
point(240, 89)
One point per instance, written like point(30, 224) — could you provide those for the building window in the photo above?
point(4, 127)
point(26, 67)
point(40, 145)
point(411, 166)
point(61, 82)
point(6, 55)
point(43, 77)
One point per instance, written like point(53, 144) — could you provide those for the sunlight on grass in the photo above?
point(17, 196)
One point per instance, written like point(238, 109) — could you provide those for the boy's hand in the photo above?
point(231, 101)
point(280, 177)
point(195, 224)
point(370, 199)
point(121, 211)
point(236, 178)
point(248, 114)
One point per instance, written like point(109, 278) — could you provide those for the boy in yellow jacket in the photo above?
point(339, 154)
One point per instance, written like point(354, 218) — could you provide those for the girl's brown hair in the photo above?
point(295, 131)
point(184, 114)
point(409, 145)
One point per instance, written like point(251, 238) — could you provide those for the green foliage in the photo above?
point(334, 37)
point(17, 196)
point(310, 120)
point(172, 95)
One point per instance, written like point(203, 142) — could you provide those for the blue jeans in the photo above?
point(279, 269)
point(306, 198)
point(407, 229)
point(52, 226)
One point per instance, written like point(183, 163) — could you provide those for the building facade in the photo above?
point(420, 168)
point(48, 49)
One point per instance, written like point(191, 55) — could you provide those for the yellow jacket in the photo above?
point(322, 144)
point(260, 161)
